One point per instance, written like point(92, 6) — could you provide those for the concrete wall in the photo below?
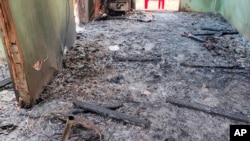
point(235, 11)
point(43, 28)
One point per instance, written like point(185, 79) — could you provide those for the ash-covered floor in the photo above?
point(153, 62)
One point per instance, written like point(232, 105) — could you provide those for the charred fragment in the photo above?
point(192, 65)
point(110, 113)
point(208, 109)
point(5, 82)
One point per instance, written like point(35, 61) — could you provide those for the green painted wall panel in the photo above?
point(43, 28)
point(237, 12)
point(198, 5)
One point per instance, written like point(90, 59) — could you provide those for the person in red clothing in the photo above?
point(160, 4)
point(146, 4)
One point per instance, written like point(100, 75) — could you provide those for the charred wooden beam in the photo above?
point(110, 113)
point(204, 34)
point(185, 64)
point(208, 109)
point(136, 59)
point(220, 33)
point(5, 82)
point(109, 106)
point(191, 36)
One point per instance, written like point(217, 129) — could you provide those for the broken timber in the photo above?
point(109, 106)
point(78, 121)
point(208, 109)
point(67, 129)
point(110, 113)
point(212, 67)
point(136, 59)
point(191, 36)
point(220, 33)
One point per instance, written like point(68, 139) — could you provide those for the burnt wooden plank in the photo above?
point(5, 82)
point(110, 113)
point(208, 109)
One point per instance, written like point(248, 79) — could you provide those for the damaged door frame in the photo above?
point(12, 48)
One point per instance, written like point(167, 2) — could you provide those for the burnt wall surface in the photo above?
point(236, 12)
point(43, 28)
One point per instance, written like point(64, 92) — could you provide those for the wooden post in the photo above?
point(84, 10)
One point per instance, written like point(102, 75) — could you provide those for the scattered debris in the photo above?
point(6, 129)
point(91, 74)
point(208, 109)
point(225, 48)
point(110, 113)
point(140, 16)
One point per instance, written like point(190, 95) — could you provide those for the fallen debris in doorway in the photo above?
point(73, 121)
point(135, 15)
point(5, 82)
point(191, 36)
point(208, 109)
point(6, 129)
point(140, 16)
point(110, 113)
point(220, 46)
